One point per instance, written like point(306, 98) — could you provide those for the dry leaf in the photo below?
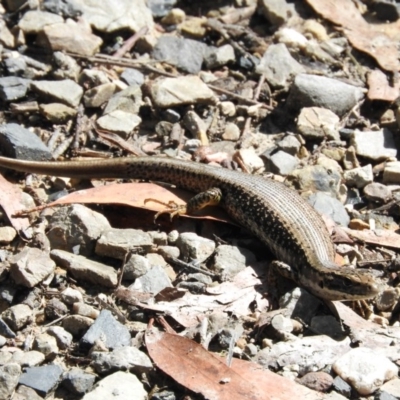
point(203, 372)
point(135, 194)
point(365, 37)
point(379, 88)
point(378, 237)
point(11, 202)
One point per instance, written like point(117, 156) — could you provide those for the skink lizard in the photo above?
point(277, 215)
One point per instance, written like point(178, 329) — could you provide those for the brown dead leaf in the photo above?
point(203, 372)
point(363, 36)
point(378, 237)
point(11, 202)
point(135, 194)
point(379, 88)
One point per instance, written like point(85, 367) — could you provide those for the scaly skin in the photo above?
point(277, 215)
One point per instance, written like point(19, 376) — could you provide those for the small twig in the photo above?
point(128, 45)
point(182, 264)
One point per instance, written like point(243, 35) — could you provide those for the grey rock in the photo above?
point(69, 9)
point(342, 387)
point(392, 387)
point(282, 163)
point(365, 369)
point(194, 247)
point(77, 325)
point(316, 178)
point(34, 21)
point(153, 281)
point(63, 338)
point(159, 238)
point(76, 228)
point(185, 54)
point(57, 112)
point(5, 330)
point(125, 358)
point(66, 91)
point(309, 353)
point(359, 177)
point(319, 91)
point(18, 142)
point(290, 144)
point(69, 37)
point(120, 122)
point(85, 269)
point(77, 381)
point(7, 235)
point(382, 395)
point(66, 66)
point(25, 393)
point(47, 345)
point(136, 266)
point(318, 123)
point(7, 39)
point(387, 299)
point(13, 88)
point(300, 304)
point(108, 16)
point(100, 94)
point(325, 204)
point(160, 8)
point(132, 77)
point(391, 173)
point(327, 325)
point(3, 341)
point(7, 292)
point(168, 251)
point(16, 66)
point(29, 358)
point(118, 386)
point(230, 260)
point(216, 57)
point(128, 100)
point(232, 132)
point(70, 296)
point(9, 376)
point(377, 192)
point(18, 316)
point(31, 266)
point(171, 92)
point(55, 308)
point(375, 145)
point(43, 379)
point(107, 329)
point(277, 12)
point(250, 349)
point(116, 243)
point(278, 66)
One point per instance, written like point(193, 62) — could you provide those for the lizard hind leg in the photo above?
point(210, 197)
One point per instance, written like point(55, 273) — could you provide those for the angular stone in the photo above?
point(125, 358)
point(375, 145)
point(85, 269)
point(42, 379)
point(172, 92)
point(31, 266)
point(278, 66)
point(118, 386)
point(107, 329)
point(34, 21)
point(65, 91)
